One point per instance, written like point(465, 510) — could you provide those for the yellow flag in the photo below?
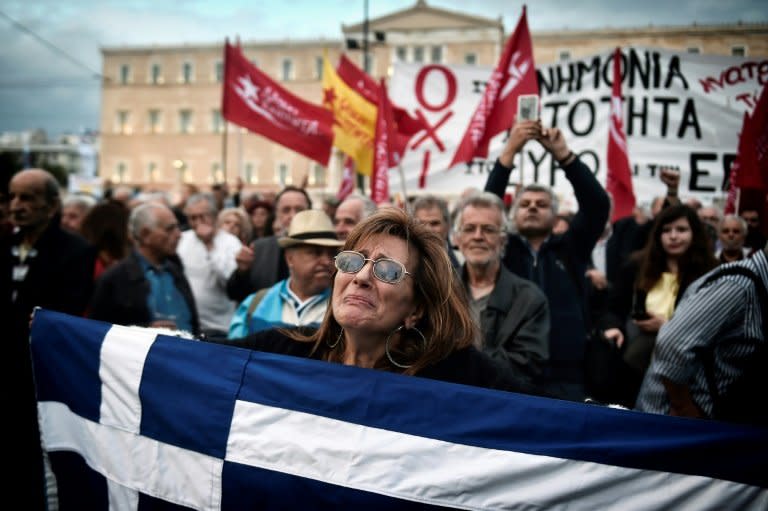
point(354, 123)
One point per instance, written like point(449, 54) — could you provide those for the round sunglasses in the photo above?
point(384, 269)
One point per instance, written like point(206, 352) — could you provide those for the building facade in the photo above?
point(161, 123)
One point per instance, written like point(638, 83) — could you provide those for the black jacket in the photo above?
point(559, 268)
point(466, 366)
point(122, 291)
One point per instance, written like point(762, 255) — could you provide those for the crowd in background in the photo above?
point(542, 285)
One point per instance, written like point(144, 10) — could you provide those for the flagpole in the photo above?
point(402, 185)
point(522, 161)
point(224, 150)
point(738, 200)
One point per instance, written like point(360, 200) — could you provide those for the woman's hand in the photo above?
point(650, 325)
point(614, 335)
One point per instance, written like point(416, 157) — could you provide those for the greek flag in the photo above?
point(133, 420)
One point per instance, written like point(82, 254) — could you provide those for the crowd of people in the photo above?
point(488, 293)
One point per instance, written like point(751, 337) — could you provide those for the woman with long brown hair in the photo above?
point(650, 286)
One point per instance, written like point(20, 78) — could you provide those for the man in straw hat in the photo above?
point(310, 246)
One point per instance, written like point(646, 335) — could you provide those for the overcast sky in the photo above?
point(41, 87)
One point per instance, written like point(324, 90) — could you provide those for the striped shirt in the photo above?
point(728, 308)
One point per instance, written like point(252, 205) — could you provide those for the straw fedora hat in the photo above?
point(310, 227)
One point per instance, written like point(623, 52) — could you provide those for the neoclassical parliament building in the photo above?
point(161, 124)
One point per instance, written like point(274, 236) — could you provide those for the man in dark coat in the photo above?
point(148, 288)
point(556, 263)
point(42, 266)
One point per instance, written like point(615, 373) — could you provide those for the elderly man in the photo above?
point(208, 254)
point(42, 266)
point(512, 312)
point(148, 288)
point(74, 210)
point(556, 263)
point(302, 298)
point(432, 211)
point(732, 232)
point(262, 264)
point(350, 212)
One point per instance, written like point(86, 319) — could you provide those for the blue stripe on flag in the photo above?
point(246, 487)
point(73, 476)
point(73, 357)
point(188, 395)
point(513, 422)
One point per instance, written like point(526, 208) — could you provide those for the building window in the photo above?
point(418, 54)
point(182, 172)
point(123, 122)
point(319, 68)
point(437, 54)
point(286, 70)
point(185, 121)
point(121, 173)
point(401, 53)
point(695, 50)
point(154, 121)
point(217, 175)
point(156, 74)
point(217, 121)
point(186, 72)
point(249, 174)
point(317, 177)
point(283, 178)
point(564, 55)
point(470, 59)
point(125, 74)
point(152, 176)
point(219, 71)
point(739, 51)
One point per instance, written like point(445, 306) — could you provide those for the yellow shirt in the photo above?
point(661, 298)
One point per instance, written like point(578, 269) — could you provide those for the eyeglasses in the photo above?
point(485, 229)
point(384, 269)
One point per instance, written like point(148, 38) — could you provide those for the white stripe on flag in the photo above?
point(442, 473)
point(133, 461)
point(122, 363)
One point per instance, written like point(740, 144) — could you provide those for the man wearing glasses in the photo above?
point(512, 312)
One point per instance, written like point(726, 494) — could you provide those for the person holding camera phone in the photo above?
point(648, 289)
point(556, 263)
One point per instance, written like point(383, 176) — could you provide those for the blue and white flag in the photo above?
point(133, 420)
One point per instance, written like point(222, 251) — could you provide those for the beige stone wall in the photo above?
point(261, 160)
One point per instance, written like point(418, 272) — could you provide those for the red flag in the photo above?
point(619, 178)
point(750, 169)
point(406, 126)
point(515, 74)
point(347, 184)
point(254, 101)
point(385, 134)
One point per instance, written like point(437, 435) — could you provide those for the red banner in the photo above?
point(347, 184)
point(750, 169)
point(251, 99)
point(619, 177)
point(514, 75)
point(385, 134)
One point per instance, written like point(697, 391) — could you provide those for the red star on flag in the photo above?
point(329, 96)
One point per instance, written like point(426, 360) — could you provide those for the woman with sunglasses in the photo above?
point(396, 306)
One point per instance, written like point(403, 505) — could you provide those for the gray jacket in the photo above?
point(515, 324)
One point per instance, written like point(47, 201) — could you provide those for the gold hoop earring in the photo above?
point(389, 337)
point(338, 340)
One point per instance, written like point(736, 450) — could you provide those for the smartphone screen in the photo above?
point(528, 107)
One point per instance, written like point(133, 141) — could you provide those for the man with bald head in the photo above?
point(42, 266)
point(350, 212)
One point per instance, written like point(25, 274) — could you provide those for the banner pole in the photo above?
point(402, 186)
point(224, 150)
